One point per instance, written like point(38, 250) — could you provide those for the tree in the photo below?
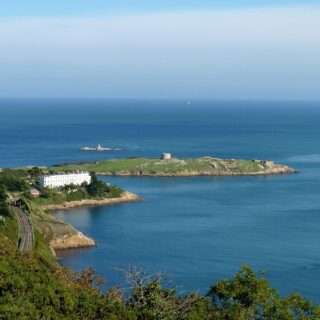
point(14, 180)
point(35, 171)
point(97, 188)
point(3, 194)
point(4, 209)
point(248, 297)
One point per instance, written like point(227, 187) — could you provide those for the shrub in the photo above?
point(14, 180)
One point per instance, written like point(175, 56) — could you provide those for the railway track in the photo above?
point(25, 243)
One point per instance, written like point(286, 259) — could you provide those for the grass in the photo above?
point(9, 228)
point(42, 250)
point(248, 166)
point(57, 197)
point(143, 166)
point(112, 166)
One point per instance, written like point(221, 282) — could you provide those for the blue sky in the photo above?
point(85, 7)
point(169, 49)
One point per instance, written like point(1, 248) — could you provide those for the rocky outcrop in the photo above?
point(125, 197)
point(278, 169)
point(72, 241)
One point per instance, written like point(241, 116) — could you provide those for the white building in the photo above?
point(35, 192)
point(166, 156)
point(61, 180)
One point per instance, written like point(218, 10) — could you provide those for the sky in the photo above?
point(231, 49)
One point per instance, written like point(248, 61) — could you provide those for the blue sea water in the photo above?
point(194, 230)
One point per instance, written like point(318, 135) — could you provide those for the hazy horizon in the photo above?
point(186, 100)
point(242, 50)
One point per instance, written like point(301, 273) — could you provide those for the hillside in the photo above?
point(33, 287)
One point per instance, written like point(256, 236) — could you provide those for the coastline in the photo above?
point(280, 170)
point(125, 197)
point(75, 239)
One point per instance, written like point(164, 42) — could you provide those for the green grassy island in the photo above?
point(204, 166)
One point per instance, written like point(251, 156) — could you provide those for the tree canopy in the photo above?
point(30, 289)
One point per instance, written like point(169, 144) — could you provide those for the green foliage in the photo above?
point(31, 290)
point(49, 196)
point(115, 192)
point(42, 251)
point(7, 223)
point(9, 227)
point(151, 301)
point(4, 209)
point(3, 194)
point(35, 172)
point(247, 297)
point(97, 188)
point(32, 287)
point(144, 166)
point(14, 180)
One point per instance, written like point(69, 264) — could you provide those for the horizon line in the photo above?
point(182, 99)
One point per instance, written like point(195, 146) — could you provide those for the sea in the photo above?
point(197, 230)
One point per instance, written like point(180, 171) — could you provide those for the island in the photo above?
point(168, 166)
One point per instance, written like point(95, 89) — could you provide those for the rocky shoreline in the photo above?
point(74, 239)
point(276, 169)
point(175, 167)
point(125, 197)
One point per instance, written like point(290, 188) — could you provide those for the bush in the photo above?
point(99, 189)
point(14, 180)
point(35, 172)
point(4, 209)
point(31, 289)
point(115, 192)
point(247, 296)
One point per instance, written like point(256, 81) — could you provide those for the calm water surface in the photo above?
point(195, 230)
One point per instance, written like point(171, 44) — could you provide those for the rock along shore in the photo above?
point(125, 197)
point(274, 170)
point(73, 239)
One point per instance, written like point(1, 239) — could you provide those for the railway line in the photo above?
point(25, 242)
